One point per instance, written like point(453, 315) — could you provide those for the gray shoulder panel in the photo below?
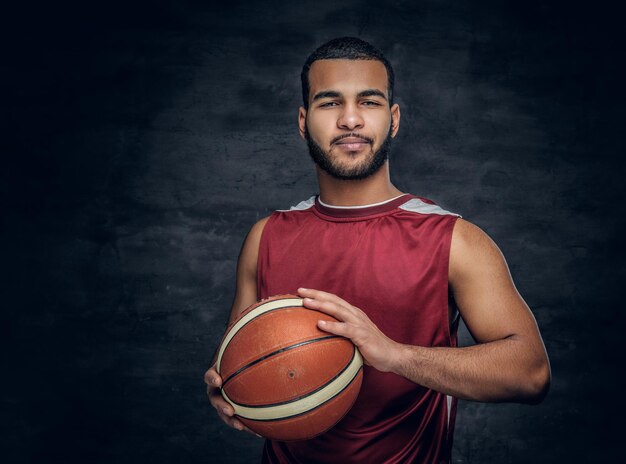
point(416, 205)
point(306, 204)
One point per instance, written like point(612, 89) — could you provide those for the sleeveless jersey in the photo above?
point(390, 260)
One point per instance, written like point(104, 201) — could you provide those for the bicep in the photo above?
point(246, 292)
point(483, 289)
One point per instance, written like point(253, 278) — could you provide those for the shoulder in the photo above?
point(250, 247)
point(466, 235)
point(471, 250)
point(256, 231)
point(258, 226)
point(249, 251)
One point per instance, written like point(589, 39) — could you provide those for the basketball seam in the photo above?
point(295, 400)
point(274, 353)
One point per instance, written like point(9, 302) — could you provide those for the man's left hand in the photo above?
point(378, 350)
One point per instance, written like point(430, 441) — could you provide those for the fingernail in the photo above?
point(321, 322)
point(238, 426)
point(225, 411)
point(214, 381)
point(302, 288)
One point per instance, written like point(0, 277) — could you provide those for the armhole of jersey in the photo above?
point(260, 253)
point(450, 326)
point(451, 406)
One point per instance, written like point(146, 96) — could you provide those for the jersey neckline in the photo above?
point(345, 212)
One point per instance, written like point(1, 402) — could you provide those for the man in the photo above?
point(396, 271)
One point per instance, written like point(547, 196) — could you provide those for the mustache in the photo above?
point(351, 134)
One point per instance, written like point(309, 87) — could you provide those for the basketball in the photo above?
point(285, 378)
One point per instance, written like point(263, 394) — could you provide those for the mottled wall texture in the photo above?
point(140, 141)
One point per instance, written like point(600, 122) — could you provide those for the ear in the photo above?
point(302, 121)
point(395, 119)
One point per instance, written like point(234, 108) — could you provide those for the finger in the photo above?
point(321, 296)
point(237, 424)
point(219, 403)
point(231, 421)
point(326, 307)
point(212, 378)
point(246, 429)
point(337, 328)
point(333, 309)
point(329, 303)
point(225, 410)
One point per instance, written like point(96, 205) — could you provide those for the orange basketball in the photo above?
point(285, 378)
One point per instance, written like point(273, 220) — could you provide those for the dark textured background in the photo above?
point(139, 143)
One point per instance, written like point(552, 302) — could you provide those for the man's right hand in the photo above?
point(223, 408)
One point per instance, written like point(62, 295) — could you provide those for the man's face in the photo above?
point(349, 124)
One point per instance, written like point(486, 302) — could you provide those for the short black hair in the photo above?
point(346, 48)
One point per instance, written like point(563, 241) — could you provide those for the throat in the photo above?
point(374, 189)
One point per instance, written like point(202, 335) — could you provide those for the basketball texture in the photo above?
point(285, 378)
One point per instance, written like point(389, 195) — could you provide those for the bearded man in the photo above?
point(396, 270)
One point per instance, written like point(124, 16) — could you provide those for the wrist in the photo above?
point(409, 361)
point(398, 359)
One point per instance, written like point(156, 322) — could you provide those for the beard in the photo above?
point(372, 163)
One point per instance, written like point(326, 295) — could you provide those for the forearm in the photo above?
point(493, 371)
point(507, 368)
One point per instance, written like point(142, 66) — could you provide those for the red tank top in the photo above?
point(390, 260)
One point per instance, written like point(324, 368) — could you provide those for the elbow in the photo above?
point(537, 384)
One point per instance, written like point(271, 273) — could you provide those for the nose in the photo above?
point(350, 118)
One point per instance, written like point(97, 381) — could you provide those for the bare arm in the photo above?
point(246, 291)
point(245, 295)
point(509, 363)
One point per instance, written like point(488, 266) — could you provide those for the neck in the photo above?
point(374, 189)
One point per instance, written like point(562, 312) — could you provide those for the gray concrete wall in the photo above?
point(141, 142)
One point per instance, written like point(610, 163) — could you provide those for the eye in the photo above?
point(328, 104)
point(371, 103)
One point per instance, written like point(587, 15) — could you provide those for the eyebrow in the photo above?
point(372, 93)
point(335, 94)
point(326, 94)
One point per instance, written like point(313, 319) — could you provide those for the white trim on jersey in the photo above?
point(414, 205)
point(361, 206)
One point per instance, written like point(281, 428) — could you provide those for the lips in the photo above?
point(352, 143)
